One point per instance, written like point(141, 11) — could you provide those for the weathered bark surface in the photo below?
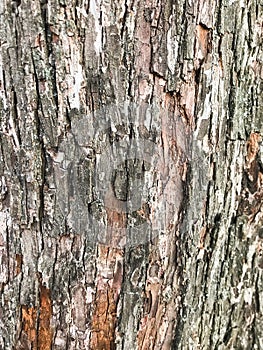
point(170, 255)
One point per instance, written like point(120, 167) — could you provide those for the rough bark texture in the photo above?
point(181, 270)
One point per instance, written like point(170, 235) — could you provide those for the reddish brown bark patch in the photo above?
point(116, 219)
point(109, 281)
point(253, 146)
point(202, 237)
point(36, 328)
point(45, 332)
point(252, 165)
point(104, 321)
point(19, 262)
point(252, 194)
point(202, 34)
point(29, 320)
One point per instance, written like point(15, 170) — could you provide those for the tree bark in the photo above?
point(131, 174)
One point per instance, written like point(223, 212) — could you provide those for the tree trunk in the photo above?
point(131, 175)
